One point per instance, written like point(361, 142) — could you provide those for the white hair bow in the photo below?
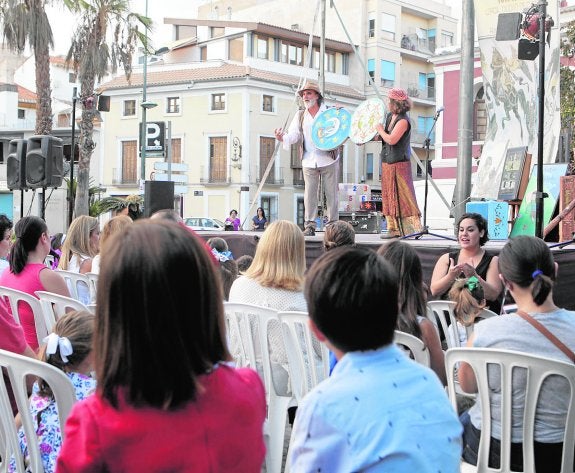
point(54, 341)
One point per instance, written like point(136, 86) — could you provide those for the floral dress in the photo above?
point(45, 418)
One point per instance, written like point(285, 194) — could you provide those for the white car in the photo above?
point(204, 223)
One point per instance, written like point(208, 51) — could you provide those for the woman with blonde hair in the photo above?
point(275, 279)
point(82, 243)
point(111, 227)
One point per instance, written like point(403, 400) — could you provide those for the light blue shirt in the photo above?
point(379, 411)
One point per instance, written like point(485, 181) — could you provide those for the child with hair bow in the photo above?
point(469, 301)
point(69, 348)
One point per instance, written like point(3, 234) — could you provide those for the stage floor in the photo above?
point(428, 247)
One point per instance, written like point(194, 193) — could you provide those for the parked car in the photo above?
point(204, 223)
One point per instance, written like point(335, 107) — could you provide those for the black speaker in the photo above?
point(527, 50)
point(44, 162)
point(16, 165)
point(103, 103)
point(158, 195)
point(508, 26)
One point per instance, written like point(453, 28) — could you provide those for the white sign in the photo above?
point(183, 178)
point(176, 167)
point(180, 190)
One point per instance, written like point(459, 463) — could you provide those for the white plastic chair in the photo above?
point(15, 297)
point(254, 325)
point(55, 306)
point(414, 345)
point(438, 311)
point(538, 369)
point(78, 285)
point(93, 285)
point(18, 368)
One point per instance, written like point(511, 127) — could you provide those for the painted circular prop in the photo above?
point(330, 128)
point(364, 120)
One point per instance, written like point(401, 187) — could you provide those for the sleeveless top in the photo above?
point(481, 270)
point(398, 152)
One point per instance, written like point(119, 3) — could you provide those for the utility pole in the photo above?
point(322, 51)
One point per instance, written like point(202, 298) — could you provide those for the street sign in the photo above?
point(183, 178)
point(180, 189)
point(154, 138)
point(176, 167)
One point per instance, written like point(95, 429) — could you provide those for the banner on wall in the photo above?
point(511, 94)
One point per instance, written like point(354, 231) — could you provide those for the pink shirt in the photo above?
point(11, 334)
point(27, 281)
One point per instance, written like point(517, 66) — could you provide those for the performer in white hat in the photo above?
point(315, 162)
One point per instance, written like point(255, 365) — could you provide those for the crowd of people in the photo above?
point(153, 372)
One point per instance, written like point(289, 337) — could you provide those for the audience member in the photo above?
point(233, 222)
point(111, 227)
point(225, 259)
point(338, 233)
point(68, 348)
point(169, 215)
point(259, 220)
point(166, 398)
point(82, 243)
point(469, 302)
point(5, 242)
point(378, 411)
point(56, 248)
point(412, 301)
point(470, 260)
point(28, 273)
point(244, 262)
point(528, 272)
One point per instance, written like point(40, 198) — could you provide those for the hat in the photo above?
point(309, 85)
point(397, 94)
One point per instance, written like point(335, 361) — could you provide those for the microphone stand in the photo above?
point(425, 229)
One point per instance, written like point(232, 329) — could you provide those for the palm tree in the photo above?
point(92, 57)
point(26, 22)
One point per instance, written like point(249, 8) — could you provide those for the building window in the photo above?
point(291, 54)
point(129, 162)
point(371, 26)
point(218, 102)
point(236, 49)
point(369, 166)
point(267, 147)
point(388, 26)
point(371, 68)
point(21, 113)
point(268, 103)
point(218, 159)
point(262, 48)
point(203, 53)
point(345, 64)
point(173, 105)
point(129, 109)
point(446, 39)
point(387, 73)
point(176, 150)
point(330, 62)
point(71, 78)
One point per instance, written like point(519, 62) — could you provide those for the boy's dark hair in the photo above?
point(351, 293)
point(28, 231)
point(244, 262)
point(5, 224)
point(151, 343)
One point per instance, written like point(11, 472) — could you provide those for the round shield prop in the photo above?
point(330, 128)
point(364, 120)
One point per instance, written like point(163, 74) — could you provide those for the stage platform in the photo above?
point(429, 249)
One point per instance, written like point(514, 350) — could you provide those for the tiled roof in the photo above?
point(222, 71)
point(26, 96)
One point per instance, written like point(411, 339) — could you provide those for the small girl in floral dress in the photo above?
point(68, 348)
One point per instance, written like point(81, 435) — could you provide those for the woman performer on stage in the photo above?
point(399, 204)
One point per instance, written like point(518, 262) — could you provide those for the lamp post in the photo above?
point(73, 145)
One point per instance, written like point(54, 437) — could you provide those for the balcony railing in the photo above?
point(297, 179)
point(412, 42)
point(121, 178)
point(275, 177)
point(416, 92)
point(220, 175)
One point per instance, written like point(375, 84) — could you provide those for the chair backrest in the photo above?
point(55, 306)
point(93, 282)
point(308, 359)
point(414, 345)
point(78, 285)
point(15, 297)
point(443, 311)
point(538, 370)
point(17, 368)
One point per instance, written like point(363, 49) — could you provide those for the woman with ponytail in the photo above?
point(28, 273)
point(528, 272)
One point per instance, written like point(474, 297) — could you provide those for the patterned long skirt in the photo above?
point(399, 205)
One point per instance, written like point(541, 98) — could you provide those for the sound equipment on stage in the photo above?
point(16, 165)
point(44, 162)
point(527, 50)
point(364, 120)
point(363, 221)
point(331, 128)
point(508, 26)
point(158, 195)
